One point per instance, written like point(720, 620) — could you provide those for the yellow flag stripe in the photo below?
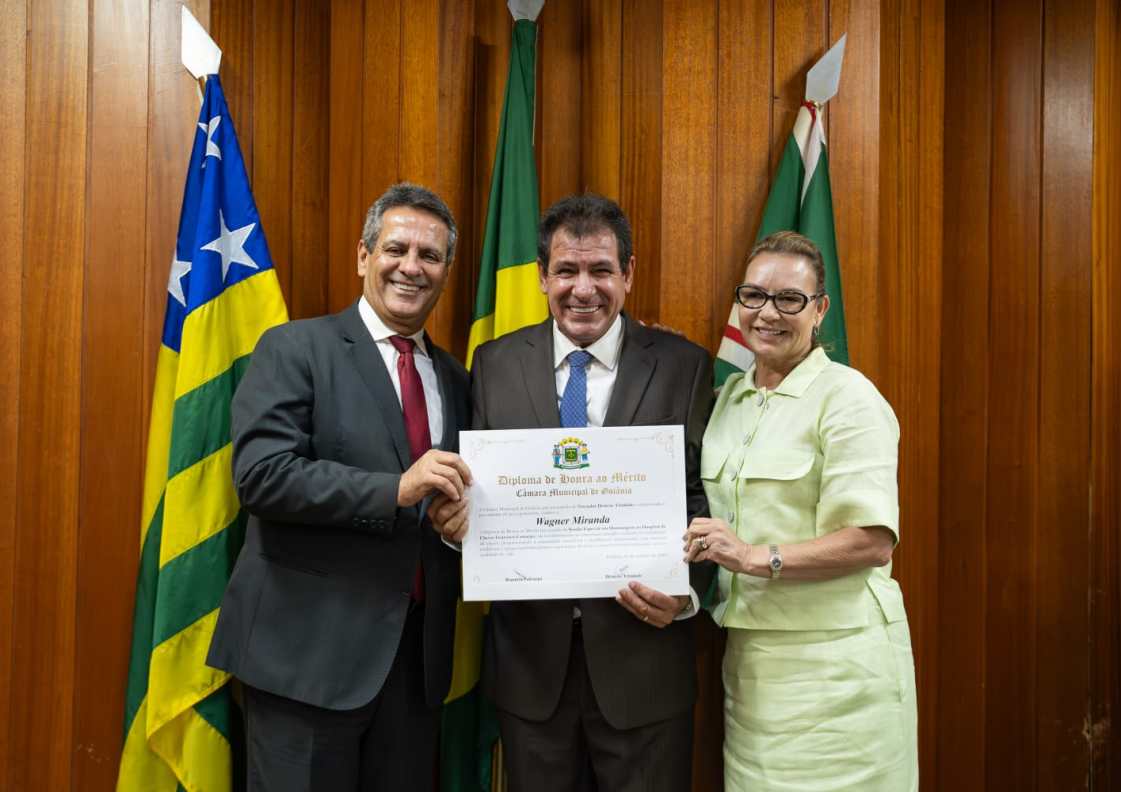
point(228, 327)
point(482, 330)
point(519, 301)
point(178, 675)
point(199, 755)
point(141, 770)
point(200, 502)
point(468, 648)
point(159, 436)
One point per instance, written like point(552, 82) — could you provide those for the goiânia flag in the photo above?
point(222, 293)
point(508, 297)
point(800, 200)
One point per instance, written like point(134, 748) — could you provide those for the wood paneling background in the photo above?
point(976, 176)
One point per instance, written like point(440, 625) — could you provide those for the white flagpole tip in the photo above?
point(525, 9)
point(822, 80)
point(200, 54)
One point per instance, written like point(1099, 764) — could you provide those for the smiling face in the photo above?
point(405, 272)
point(779, 340)
point(584, 284)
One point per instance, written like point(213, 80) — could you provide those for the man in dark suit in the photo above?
point(339, 616)
point(610, 683)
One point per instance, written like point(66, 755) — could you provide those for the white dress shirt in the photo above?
point(424, 366)
point(601, 371)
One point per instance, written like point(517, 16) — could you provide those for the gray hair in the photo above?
point(412, 196)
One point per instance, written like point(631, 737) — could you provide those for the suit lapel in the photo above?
point(368, 360)
point(539, 375)
point(636, 367)
point(447, 405)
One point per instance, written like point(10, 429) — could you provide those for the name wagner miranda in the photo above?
point(575, 520)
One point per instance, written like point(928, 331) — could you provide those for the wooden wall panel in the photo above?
point(966, 315)
point(233, 27)
point(1105, 442)
point(641, 151)
point(688, 182)
point(346, 188)
point(559, 98)
point(451, 318)
point(43, 652)
point(746, 61)
point(1062, 615)
point(272, 128)
point(381, 94)
point(799, 40)
point(910, 282)
point(960, 758)
point(114, 348)
point(1014, 376)
point(601, 98)
point(492, 57)
point(854, 175)
point(13, 168)
point(310, 219)
point(420, 86)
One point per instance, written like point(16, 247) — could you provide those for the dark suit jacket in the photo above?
point(318, 598)
point(640, 674)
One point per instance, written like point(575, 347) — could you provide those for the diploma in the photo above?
point(570, 513)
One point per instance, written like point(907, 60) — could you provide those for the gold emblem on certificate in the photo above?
point(571, 453)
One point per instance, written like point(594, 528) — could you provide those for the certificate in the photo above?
point(568, 513)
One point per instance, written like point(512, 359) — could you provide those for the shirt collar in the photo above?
point(378, 329)
point(605, 349)
point(799, 379)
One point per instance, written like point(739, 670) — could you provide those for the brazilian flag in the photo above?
point(508, 297)
point(222, 294)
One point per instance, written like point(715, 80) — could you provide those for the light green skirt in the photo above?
point(820, 711)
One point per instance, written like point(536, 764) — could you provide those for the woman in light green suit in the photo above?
point(799, 465)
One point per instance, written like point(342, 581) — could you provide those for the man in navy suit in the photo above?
point(339, 616)
point(605, 683)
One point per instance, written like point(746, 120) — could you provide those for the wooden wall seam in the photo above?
point(1102, 729)
point(46, 534)
point(1066, 186)
point(13, 187)
point(113, 347)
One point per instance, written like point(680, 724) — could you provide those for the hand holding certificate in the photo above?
point(570, 513)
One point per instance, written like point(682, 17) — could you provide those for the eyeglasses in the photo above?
point(787, 301)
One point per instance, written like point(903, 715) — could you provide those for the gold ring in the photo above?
point(704, 543)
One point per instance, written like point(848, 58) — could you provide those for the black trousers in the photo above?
point(388, 745)
point(576, 749)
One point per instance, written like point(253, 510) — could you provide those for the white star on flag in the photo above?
point(230, 245)
point(212, 149)
point(175, 281)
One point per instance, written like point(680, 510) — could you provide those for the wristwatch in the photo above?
point(775, 562)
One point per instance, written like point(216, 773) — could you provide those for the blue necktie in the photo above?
point(574, 401)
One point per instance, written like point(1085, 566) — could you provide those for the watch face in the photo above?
point(776, 563)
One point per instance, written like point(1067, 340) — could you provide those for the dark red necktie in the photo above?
point(415, 408)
